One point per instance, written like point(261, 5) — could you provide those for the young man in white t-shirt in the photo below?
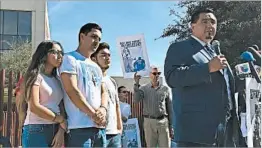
point(114, 123)
point(85, 98)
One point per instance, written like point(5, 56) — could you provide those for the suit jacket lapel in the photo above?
point(205, 54)
point(199, 48)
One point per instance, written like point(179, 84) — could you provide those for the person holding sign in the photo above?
point(157, 109)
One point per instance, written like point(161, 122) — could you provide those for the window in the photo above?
point(15, 27)
point(10, 22)
point(1, 20)
point(24, 23)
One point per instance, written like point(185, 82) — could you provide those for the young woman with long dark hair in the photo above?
point(41, 114)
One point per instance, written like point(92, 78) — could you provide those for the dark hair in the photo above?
point(120, 87)
point(37, 63)
point(101, 46)
point(87, 28)
point(195, 15)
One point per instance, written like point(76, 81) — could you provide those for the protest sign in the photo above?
point(253, 112)
point(131, 134)
point(133, 55)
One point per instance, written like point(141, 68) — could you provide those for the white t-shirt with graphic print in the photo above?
point(89, 80)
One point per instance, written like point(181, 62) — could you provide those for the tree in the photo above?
point(17, 58)
point(239, 24)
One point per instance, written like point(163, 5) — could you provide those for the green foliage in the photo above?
point(17, 58)
point(239, 24)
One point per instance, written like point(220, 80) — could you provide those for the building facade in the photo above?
point(23, 20)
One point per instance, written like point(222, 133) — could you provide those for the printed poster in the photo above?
point(131, 134)
point(253, 110)
point(133, 55)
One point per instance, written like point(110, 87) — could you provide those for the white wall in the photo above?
point(38, 8)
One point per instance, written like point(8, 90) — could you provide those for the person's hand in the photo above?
point(171, 132)
point(59, 140)
point(217, 63)
point(101, 112)
point(99, 117)
point(95, 118)
point(137, 78)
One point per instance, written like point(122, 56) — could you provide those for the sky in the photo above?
point(116, 19)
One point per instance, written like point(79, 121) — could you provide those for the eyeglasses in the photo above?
point(53, 51)
point(156, 73)
point(124, 92)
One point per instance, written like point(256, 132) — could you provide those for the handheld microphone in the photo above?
point(248, 57)
point(216, 46)
point(256, 55)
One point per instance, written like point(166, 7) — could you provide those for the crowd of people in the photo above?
point(68, 99)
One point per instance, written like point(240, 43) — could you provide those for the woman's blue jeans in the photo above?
point(38, 135)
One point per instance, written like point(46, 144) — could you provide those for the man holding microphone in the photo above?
point(203, 87)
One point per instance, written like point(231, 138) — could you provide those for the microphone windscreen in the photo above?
point(247, 56)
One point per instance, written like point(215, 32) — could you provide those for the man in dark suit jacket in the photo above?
point(203, 87)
